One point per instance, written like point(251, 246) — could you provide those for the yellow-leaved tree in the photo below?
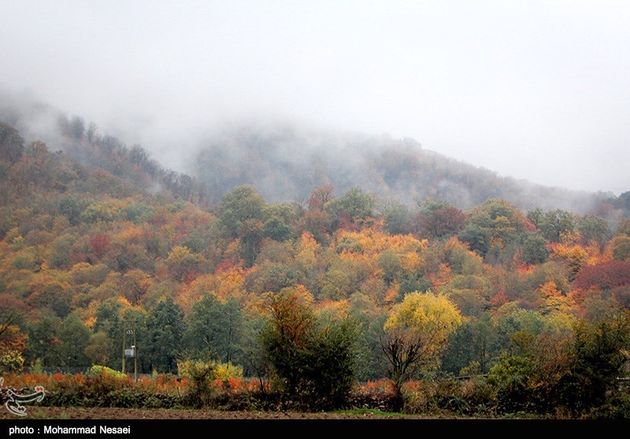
point(416, 331)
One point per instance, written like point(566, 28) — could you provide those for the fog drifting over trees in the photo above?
point(536, 90)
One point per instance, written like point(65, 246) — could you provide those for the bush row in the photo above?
point(444, 397)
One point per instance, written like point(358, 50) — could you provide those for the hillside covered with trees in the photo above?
point(286, 162)
point(99, 244)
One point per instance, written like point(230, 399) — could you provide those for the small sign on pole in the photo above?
point(130, 352)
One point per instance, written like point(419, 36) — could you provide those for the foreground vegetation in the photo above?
point(172, 397)
point(246, 305)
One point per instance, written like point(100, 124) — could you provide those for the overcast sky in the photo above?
point(536, 89)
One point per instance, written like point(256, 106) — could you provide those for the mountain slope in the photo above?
point(287, 162)
point(85, 254)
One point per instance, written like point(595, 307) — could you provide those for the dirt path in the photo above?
point(120, 413)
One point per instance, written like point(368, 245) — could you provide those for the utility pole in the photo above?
point(124, 343)
point(135, 357)
point(133, 352)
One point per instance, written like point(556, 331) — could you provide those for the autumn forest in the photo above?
point(344, 298)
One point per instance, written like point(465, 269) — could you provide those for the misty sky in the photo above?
point(536, 89)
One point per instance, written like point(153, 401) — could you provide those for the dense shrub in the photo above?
point(102, 371)
point(379, 395)
point(616, 407)
point(313, 360)
point(441, 396)
point(510, 379)
point(200, 373)
point(208, 377)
